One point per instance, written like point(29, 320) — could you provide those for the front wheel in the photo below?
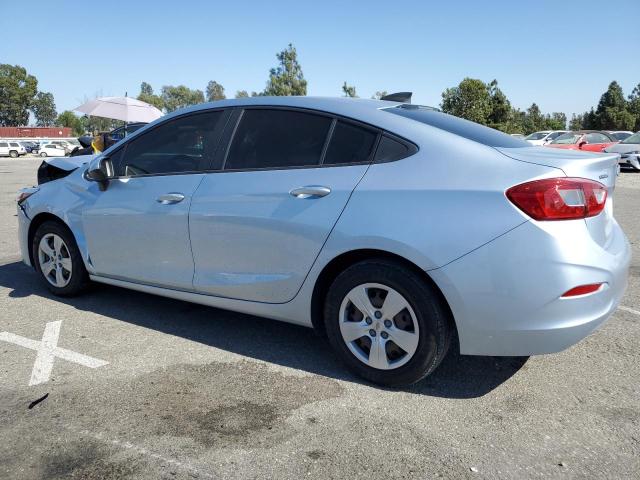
point(387, 323)
point(58, 260)
point(43, 154)
point(13, 154)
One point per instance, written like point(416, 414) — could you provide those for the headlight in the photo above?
point(25, 193)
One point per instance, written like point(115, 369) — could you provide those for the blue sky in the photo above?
point(560, 54)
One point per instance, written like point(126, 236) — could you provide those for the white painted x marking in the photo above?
point(47, 351)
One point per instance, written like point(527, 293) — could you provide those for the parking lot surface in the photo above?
point(146, 387)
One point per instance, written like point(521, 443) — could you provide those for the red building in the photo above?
point(34, 132)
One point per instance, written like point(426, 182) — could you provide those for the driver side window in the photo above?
point(185, 144)
point(596, 138)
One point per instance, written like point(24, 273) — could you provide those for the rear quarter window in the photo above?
point(390, 150)
point(350, 144)
point(458, 126)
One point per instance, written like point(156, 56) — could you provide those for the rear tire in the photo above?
point(384, 346)
point(58, 261)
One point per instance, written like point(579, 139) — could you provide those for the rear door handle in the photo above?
point(170, 198)
point(310, 191)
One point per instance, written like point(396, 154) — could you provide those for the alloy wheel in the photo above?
point(55, 260)
point(379, 326)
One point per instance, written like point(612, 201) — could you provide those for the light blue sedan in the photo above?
point(391, 228)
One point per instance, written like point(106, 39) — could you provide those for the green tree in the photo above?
point(612, 113)
point(589, 120)
point(17, 90)
point(147, 95)
point(215, 91)
point(379, 95)
point(576, 122)
point(556, 121)
point(534, 120)
point(287, 78)
point(500, 115)
point(634, 106)
point(99, 124)
point(349, 90)
point(146, 89)
point(44, 109)
point(69, 119)
point(470, 100)
point(174, 98)
point(242, 94)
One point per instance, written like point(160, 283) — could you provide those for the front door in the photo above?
point(596, 142)
point(138, 229)
point(258, 225)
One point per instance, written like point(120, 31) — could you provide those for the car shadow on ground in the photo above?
point(280, 343)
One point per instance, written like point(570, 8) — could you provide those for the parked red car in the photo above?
point(588, 140)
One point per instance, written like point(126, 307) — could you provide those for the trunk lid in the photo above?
point(601, 167)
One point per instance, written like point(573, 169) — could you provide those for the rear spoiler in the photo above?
point(402, 97)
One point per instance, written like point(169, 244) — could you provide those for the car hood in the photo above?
point(623, 148)
point(69, 163)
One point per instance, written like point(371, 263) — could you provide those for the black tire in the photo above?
point(43, 154)
point(13, 154)
point(433, 319)
point(79, 279)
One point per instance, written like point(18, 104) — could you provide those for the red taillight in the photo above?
point(559, 198)
point(582, 290)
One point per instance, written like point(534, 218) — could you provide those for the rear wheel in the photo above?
point(13, 154)
point(387, 323)
point(58, 259)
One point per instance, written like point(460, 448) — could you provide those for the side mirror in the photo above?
point(100, 170)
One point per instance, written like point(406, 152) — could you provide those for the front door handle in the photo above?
point(309, 191)
point(170, 198)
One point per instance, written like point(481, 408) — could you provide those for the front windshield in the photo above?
point(537, 136)
point(635, 138)
point(567, 138)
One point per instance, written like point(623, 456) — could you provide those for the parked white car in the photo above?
point(52, 150)
point(543, 137)
point(11, 149)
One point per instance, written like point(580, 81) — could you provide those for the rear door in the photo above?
point(258, 225)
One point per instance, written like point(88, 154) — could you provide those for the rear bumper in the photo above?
point(505, 296)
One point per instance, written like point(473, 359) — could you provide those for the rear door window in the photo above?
point(350, 144)
point(274, 138)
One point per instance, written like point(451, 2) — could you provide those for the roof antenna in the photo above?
point(402, 97)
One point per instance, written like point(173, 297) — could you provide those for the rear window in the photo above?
point(458, 126)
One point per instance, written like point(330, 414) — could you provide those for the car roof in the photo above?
point(338, 105)
point(369, 111)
